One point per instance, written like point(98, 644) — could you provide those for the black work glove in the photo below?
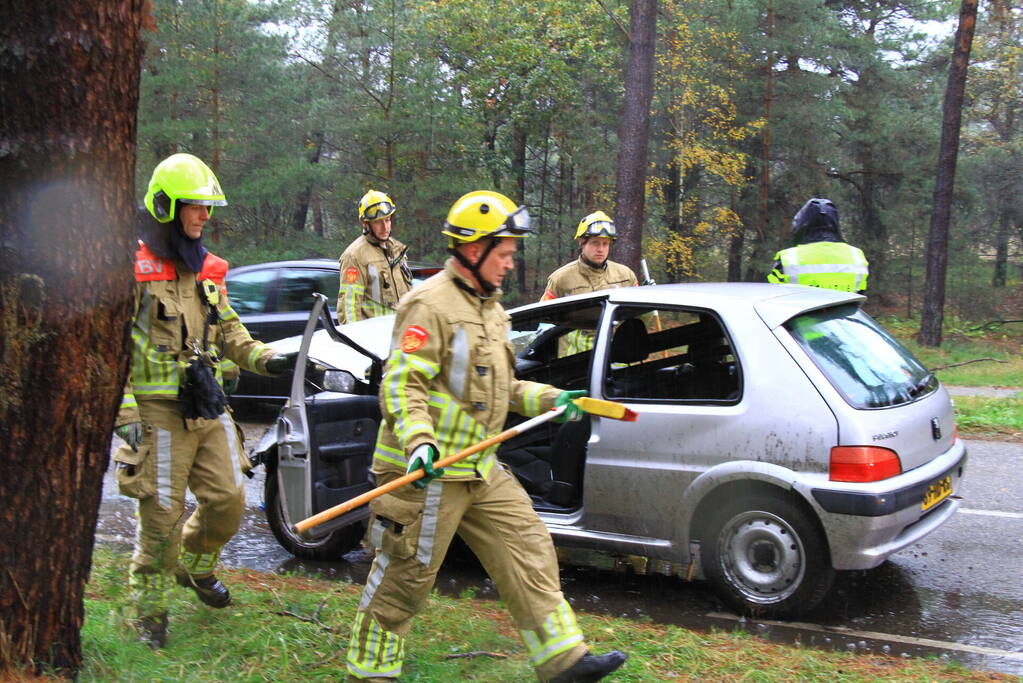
point(280, 363)
point(131, 434)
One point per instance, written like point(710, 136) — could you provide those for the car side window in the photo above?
point(670, 354)
point(248, 291)
point(550, 344)
point(297, 286)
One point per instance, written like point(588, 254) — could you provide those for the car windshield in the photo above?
point(862, 361)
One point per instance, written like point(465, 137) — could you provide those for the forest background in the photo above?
point(301, 106)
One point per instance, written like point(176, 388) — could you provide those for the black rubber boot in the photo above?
point(209, 589)
point(152, 630)
point(360, 556)
point(591, 668)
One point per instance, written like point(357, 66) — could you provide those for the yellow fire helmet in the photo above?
point(482, 214)
point(597, 224)
point(375, 205)
point(182, 178)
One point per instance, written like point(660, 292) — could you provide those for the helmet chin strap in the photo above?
point(487, 288)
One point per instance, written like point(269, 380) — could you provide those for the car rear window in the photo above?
point(862, 361)
point(248, 291)
point(297, 286)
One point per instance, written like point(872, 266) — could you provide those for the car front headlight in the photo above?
point(341, 381)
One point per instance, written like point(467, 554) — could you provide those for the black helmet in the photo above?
point(817, 221)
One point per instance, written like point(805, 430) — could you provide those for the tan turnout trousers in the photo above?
point(412, 531)
point(205, 456)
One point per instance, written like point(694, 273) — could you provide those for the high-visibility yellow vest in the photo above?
point(834, 265)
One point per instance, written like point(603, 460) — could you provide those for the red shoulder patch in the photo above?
point(548, 295)
point(149, 267)
point(413, 338)
point(351, 275)
point(213, 268)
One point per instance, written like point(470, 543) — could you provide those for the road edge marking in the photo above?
point(991, 513)
point(875, 635)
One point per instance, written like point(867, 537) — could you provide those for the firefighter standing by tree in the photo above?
point(820, 258)
point(172, 418)
point(374, 270)
point(591, 272)
point(450, 383)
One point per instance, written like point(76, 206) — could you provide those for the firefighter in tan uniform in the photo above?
point(172, 419)
point(374, 270)
point(450, 383)
point(591, 272)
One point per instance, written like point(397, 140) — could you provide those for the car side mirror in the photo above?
point(340, 381)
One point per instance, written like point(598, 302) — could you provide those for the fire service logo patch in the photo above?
point(413, 338)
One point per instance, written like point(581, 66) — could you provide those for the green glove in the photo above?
point(573, 413)
point(230, 385)
point(280, 363)
point(422, 459)
point(131, 434)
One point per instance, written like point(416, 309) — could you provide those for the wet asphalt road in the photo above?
point(958, 594)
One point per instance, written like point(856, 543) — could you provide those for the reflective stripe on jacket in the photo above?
point(834, 265)
point(373, 279)
point(450, 378)
point(169, 317)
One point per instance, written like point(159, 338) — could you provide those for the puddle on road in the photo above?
point(861, 609)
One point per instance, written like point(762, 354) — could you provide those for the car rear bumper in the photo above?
point(867, 525)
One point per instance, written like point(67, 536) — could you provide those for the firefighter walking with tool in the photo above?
point(177, 430)
point(449, 383)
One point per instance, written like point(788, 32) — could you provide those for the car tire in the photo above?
point(767, 557)
point(329, 547)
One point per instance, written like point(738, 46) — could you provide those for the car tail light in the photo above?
point(863, 463)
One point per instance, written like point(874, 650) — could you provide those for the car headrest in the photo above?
point(630, 343)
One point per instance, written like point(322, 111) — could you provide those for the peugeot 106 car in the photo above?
point(782, 435)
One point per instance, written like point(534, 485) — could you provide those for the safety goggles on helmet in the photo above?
point(515, 225)
point(601, 229)
point(596, 224)
point(485, 213)
point(378, 210)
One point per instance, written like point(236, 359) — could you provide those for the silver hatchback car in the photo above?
point(782, 435)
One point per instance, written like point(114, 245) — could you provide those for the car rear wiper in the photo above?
point(920, 386)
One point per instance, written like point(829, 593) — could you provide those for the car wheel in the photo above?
point(329, 547)
point(767, 557)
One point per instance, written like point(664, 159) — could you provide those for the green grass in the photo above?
point(254, 640)
point(994, 417)
point(962, 343)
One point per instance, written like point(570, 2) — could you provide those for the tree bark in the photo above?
point(634, 133)
point(518, 171)
point(305, 198)
point(735, 245)
point(69, 77)
point(951, 117)
point(1001, 250)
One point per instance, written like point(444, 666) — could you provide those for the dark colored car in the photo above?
point(274, 299)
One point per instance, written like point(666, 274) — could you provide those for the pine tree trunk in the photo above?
point(1001, 250)
point(634, 133)
point(70, 80)
point(951, 117)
